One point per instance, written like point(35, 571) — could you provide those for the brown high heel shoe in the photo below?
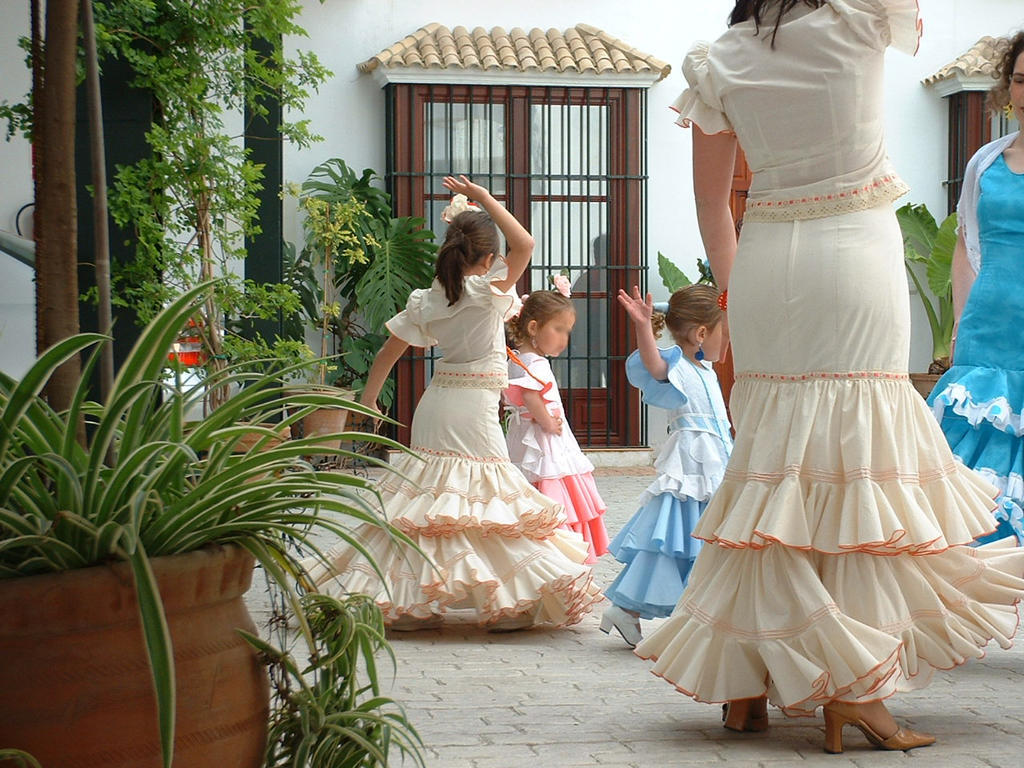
point(746, 714)
point(838, 714)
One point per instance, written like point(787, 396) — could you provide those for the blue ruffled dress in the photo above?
point(656, 544)
point(980, 400)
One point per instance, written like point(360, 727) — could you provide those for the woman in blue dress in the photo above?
point(980, 400)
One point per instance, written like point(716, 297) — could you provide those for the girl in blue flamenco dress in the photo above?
point(656, 545)
point(979, 401)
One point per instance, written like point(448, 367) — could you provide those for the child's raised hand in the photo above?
point(463, 186)
point(640, 309)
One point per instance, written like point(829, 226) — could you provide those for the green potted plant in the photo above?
point(193, 200)
point(368, 261)
point(320, 714)
point(931, 245)
point(673, 278)
point(124, 558)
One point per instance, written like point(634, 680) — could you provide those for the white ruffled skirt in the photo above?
point(836, 562)
point(488, 540)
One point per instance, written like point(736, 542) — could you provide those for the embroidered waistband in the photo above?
point(810, 375)
point(469, 380)
point(882, 190)
point(457, 455)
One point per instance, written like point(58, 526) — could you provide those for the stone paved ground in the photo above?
point(576, 697)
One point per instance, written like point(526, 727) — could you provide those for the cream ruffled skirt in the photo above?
point(838, 563)
point(488, 540)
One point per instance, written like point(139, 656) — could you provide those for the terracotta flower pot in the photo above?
point(75, 685)
point(924, 382)
point(324, 421)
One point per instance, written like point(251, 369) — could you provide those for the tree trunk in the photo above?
point(101, 238)
point(55, 226)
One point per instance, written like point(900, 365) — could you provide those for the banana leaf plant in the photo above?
point(673, 278)
point(932, 245)
point(373, 259)
point(148, 483)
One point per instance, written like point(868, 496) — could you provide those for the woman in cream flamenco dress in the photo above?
point(837, 568)
point(492, 543)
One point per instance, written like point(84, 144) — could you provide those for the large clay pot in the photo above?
point(924, 382)
point(75, 685)
point(324, 421)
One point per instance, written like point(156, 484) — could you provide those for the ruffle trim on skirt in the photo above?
point(839, 466)
point(996, 455)
point(498, 578)
point(1009, 521)
point(978, 394)
point(807, 627)
point(658, 552)
point(446, 496)
point(542, 456)
point(584, 509)
point(690, 466)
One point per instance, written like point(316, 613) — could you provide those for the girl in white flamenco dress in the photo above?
point(488, 541)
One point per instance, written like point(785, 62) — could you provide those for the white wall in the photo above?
point(17, 291)
point(349, 110)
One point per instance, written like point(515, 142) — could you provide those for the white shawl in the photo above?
point(967, 208)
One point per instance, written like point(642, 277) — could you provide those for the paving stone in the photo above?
point(576, 697)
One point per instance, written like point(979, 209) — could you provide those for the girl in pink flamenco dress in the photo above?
point(540, 442)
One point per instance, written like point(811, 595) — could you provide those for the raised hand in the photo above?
point(640, 309)
point(463, 186)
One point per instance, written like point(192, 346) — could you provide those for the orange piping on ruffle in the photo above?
point(581, 593)
point(818, 686)
point(950, 469)
point(792, 710)
point(539, 527)
point(918, 550)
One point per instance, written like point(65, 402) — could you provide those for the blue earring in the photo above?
point(700, 353)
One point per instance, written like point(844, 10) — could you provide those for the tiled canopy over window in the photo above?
point(554, 123)
point(966, 82)
point(581, 55)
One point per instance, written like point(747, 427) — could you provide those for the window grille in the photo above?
point(570, 163)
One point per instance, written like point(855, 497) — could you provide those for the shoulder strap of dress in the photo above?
point(515, 359)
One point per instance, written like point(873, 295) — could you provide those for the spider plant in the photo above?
point(322, 715)
point(144, 482)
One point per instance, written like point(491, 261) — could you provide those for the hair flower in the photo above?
point(459, 204)
point(561, 283)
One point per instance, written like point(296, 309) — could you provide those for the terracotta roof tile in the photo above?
point(980, 61)
point(579, 49)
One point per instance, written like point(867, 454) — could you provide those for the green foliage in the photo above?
point(19, 759)
point(148, 483)
point(375, 261)
point(931, 244)
point(192, 201)
point(673, 278)
point(322, 716)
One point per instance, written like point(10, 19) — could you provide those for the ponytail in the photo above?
point(471, 236)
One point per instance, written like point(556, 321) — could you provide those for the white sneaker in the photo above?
point(625, 623)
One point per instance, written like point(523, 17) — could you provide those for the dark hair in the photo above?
point(689, 307)
point(471, 236)
point(999, 96)
point(756, 10)
point(540, 306)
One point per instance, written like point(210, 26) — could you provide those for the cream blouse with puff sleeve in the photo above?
point(808, 112)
